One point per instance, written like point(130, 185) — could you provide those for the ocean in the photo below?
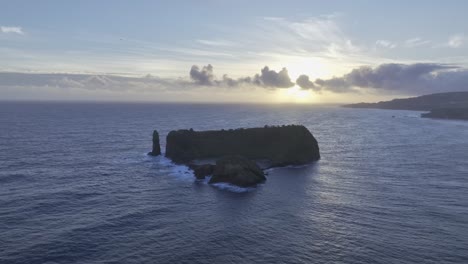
point(76, 186)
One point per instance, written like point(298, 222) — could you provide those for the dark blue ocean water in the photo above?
point(77, 187)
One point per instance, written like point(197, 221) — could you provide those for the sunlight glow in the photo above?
point(296, 95)
point(313, 67)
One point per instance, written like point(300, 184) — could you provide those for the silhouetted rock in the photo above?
point(237, 170)
point(156, 148)
point(286, 145)
point(460, 113)
point(201, 171)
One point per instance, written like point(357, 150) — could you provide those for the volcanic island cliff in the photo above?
point(237, 150)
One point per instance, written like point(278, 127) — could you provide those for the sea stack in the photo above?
point(280, 145)
point(156, 148)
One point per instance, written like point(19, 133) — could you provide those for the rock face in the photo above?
point(237, 170)
point(156, 148)
point(285, 145)
point(201, 171)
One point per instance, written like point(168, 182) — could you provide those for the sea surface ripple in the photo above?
point(76, 186)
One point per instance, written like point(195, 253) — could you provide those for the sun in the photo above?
point(313, 67)
point(299, 95)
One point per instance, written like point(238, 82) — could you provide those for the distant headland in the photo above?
point(237, 150)
point(451, 105)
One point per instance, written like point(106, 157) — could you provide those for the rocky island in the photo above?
point(451, 105)
point(237, 150)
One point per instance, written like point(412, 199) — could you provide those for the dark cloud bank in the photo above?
point(267, 78)
point(304, 82)
point(415, 78)
point(410, 78)
point(419, 78)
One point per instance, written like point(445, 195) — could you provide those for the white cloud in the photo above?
point(456, 41)
point(318, 37)
point(319, 29)
point(15, 30)
point(385, 44)
point(221, 43)
point(416, 42)
point(89, 82)
point(67, 86)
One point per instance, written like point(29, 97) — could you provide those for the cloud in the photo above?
point(88, 82)
point(282, 39)
point(15, 30)
point(273, 79)
point(416, 42)
point(321, 35)
point(215, 43)
point(304, 82)
point(418, 78)
point(227, 81)
point(456, 41)
point(335, 84)
point(206, 77)
point(385, 44)
point(267, 78)
point(320, 29)
point(409, 78)
point(202, 76)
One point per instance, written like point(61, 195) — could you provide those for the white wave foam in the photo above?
point(175, 170)
point(204, 181)
point(226, 186)
point(232, 188)
point(184, 172)
point(164, 161)
point(133, 158)
point(413, 115)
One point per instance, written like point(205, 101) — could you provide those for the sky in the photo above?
point(231, 51)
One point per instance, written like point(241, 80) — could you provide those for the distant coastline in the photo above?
point(451, 105)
